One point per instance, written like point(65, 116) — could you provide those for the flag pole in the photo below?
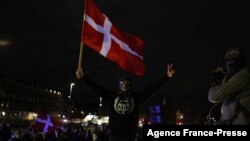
point(79, 72)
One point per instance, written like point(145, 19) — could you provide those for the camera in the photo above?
point(219, 73)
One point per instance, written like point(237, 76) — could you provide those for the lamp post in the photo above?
point(70, 102)
point(70, 91)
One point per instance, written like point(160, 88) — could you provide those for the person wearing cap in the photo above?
point(124, 105)
point(234, 90)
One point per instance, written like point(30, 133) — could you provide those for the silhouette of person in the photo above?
point(125, 104)
point(233, 91)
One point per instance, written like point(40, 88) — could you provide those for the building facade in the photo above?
point(21, 102)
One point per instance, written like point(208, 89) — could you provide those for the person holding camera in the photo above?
point(232, 88)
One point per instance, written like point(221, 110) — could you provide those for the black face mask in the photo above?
point(124, 85)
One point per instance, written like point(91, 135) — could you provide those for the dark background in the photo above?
point(44, 41)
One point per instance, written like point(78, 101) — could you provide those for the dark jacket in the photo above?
point(236, 88)
point(124, 108)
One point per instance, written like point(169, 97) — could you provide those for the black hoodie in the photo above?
point(124, 108)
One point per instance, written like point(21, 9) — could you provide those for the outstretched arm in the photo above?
point(147, 93)
point(92, 84)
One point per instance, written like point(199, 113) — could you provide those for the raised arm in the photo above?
point(92, 84)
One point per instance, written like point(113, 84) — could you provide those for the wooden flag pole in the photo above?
point(79, 71)
point(80, 55)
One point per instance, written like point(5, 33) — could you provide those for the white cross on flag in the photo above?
point(102, 36)
point(46, 123)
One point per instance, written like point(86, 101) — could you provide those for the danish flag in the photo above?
point(103, 37)
point(46, 123)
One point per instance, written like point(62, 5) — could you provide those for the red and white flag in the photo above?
point(46, 123)
point(102, 36)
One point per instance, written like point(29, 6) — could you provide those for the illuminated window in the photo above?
point(155, 114)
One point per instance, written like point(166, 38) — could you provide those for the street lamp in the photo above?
point(70, 102)
point(70, 92)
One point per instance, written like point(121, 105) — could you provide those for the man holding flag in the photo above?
point(127, 51)
point(124, 105)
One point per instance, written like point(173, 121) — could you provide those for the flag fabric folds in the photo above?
point(102, 36)
point(46, 123)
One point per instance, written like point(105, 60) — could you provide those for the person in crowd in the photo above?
point(16, 136)
point(125, 104)
point(233, 89)
point(5, 133)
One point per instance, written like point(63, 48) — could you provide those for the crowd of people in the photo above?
point(68, 133)
point(230, 88)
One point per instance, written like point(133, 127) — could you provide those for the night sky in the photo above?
point(44, 41)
